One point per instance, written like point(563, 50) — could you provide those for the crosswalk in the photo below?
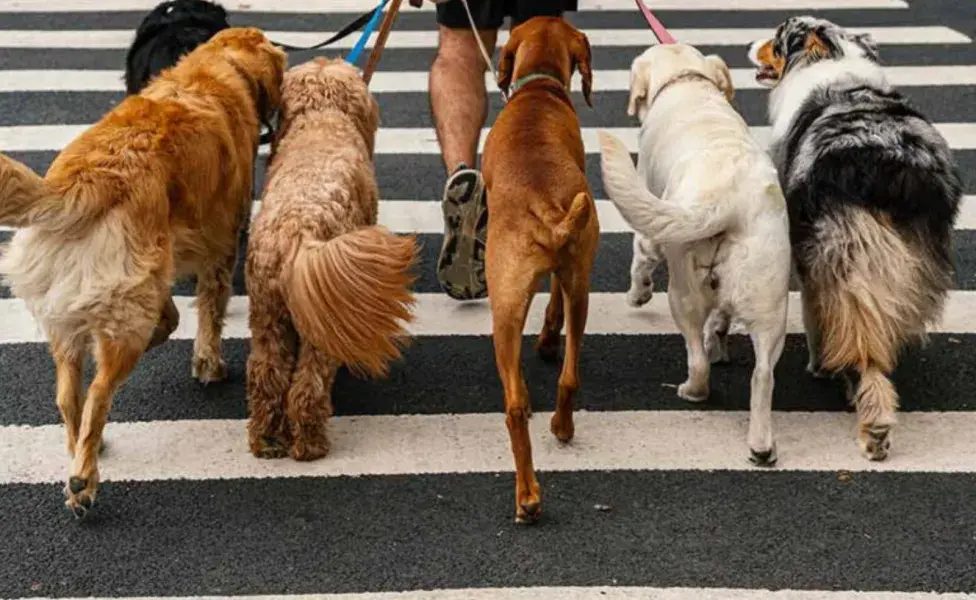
point(653, 499)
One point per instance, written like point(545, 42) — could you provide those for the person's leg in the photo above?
point(459, 107)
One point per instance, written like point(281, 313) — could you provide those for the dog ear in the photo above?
point(639, 82)
point(506, 60)
point(868, 44)
point(582, 57)
point(719, 72)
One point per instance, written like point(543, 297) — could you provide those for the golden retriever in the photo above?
point(158, 188)
point(327, 285)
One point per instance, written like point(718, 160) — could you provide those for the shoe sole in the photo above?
point(461, 264)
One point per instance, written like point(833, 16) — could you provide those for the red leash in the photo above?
point(657, 27)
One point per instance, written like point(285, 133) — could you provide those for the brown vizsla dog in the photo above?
point(542, 220)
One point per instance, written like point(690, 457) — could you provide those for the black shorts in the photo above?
point(490, 14)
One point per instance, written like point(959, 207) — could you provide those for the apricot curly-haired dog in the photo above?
point(158, 188)
point(327, 286)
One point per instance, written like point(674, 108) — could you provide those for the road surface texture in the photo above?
point(655, 497)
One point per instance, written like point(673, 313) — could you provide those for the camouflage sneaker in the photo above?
point(461, 265)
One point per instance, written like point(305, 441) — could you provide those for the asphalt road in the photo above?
point(417, 493)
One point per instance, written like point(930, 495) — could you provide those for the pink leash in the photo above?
point(657, 27)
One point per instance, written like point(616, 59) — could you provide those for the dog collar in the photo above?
point(521, 81)
point(683, 76)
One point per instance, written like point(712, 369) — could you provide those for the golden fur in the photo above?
point(542, 220)
point(156, 189)
point(327, 286)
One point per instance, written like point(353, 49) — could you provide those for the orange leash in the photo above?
point(377, 52)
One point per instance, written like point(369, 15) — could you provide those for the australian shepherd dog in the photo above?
point(873, 195)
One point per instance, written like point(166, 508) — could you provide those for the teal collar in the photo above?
point(521, 81)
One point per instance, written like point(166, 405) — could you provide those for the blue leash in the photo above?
point(367, 31)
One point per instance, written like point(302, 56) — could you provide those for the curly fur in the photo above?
point(158, 188)
point(327, 286)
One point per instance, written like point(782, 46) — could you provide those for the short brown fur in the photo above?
point(542, 220)
point(327, 286)
point(156, 189)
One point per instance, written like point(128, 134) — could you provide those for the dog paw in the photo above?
point(80, 495)
point(548, 348)
point(763, 458)
point(269, 447)
point(528, 508)
point(639, 296)
point(562, 428)
point(875, 442)
point(305, 450)
point(692, 393)
point(209, 369)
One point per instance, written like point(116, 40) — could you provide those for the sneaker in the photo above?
point(461, 265)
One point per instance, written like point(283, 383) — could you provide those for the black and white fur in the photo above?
point(170, 30)
point(873, 194)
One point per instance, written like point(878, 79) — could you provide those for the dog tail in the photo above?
point(663, 222)
point(872, 290)
point(27, 200)
point(350, 296)
point(579, 211)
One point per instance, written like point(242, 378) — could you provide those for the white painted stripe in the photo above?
point(478, 443)
point(358, 6)
point(740, 37)
point(439, 315)
point(413, 140)
point(81, 80)
point(578, 593)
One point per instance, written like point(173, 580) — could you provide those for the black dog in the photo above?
point(169, 31)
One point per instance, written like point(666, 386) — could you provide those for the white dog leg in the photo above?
point(717, 337)
point(646, 259)
point(689, 313)
point(768, 346)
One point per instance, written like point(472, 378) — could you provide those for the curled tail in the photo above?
point(662, 222)
point(579, 211)
point(872, 291)
point(350, 296)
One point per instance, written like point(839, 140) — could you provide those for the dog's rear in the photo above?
point(327, 286)
point(873, 194)
point(542, 219)
point(104, 232)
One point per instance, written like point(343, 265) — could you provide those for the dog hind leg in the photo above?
point(117, 357)
point(309, 403)
point(269, 374)
point(69, 359)
point(877, 402)
point(689, 310)
point(717, 336)
point(576, 289)
point(811, 327)
point(510, 294)
point(547, 344)
point(767, 342)
point(213, 294)
point(646, 258)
